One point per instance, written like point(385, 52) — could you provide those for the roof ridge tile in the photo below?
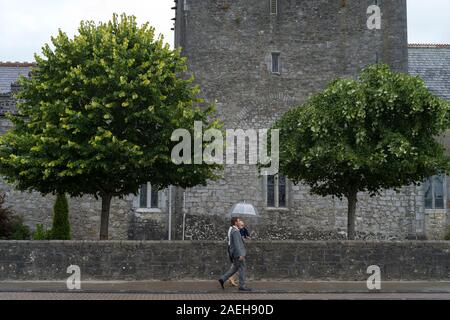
point(17, 64)
point(429, 45)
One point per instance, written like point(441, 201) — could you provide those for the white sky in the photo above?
point(25, 25)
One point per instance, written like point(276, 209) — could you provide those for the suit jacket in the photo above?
point(237, 246)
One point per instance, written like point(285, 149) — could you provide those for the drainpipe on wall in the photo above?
point(170, 213)
point(184, 213)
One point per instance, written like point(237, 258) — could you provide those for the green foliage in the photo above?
point(5, 220)
point(11, 226)
point(41, 234)
point(61, 224)
point(97, 114)
point(19, 230)
point(377, 132)
point(447, 237)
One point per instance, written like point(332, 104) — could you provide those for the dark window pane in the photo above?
point(271, 191)
point(282, 192)
point(439, 192)
point(154, 198)
point(275, 62)
point(143, 196)
point(439, 203)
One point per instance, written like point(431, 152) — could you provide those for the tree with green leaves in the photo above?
point(365, 135)
point(61, 222)
point(97, 113)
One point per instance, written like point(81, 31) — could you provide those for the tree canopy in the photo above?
point(365, 135)
point(97, 113)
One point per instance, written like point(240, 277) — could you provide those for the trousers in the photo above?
point(235, 267)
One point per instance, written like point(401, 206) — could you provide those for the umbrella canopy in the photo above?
point(243, 209)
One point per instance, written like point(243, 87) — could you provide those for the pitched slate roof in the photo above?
point(10, 72)
point(432, 64)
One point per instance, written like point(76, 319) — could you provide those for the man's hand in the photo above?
point(241, 258)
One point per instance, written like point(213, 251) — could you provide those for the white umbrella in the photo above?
point(243, 209)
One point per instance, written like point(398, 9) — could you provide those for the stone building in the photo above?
point(255, 59)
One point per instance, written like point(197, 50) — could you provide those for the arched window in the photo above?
point(276, 192)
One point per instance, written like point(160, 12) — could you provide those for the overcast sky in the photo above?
point(25, 25)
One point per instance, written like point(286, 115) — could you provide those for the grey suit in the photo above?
point(236, 250)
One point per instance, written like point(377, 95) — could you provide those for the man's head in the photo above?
point(235, 221)
point(241, 224)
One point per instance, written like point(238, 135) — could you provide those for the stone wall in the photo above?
point(346, 261)
point(84, 213)
point(436, 223)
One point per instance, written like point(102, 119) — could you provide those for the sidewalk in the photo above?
point(213, 287)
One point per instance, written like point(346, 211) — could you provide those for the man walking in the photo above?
point(237, 252)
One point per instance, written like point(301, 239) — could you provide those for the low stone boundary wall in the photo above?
point(148, 260)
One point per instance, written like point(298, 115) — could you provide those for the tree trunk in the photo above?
point(104, 222)
point(352, 200)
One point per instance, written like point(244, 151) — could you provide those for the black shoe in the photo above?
point(244, 289)
point(221, 283)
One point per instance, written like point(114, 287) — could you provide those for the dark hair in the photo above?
point(234, 220)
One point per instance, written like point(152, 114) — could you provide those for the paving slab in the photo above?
point(222, 297)
point(213, 287)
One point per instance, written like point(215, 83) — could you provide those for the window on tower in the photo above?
point(273, 6)
point(276, 66)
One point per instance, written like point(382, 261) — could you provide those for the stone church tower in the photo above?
point(256, 59)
